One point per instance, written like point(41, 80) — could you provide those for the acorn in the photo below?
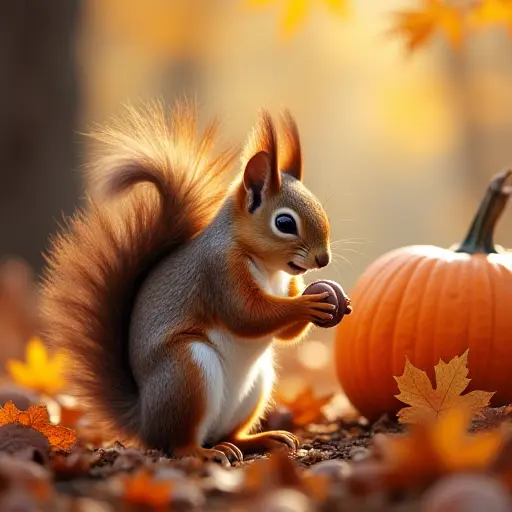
point(337, 297)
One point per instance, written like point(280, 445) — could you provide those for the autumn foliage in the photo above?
point(59, 437)
point(427, 403)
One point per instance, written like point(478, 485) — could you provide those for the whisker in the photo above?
point(326, 201)
point(346, 261)
point(335, 266)
point(346, 249)
point(350, 241)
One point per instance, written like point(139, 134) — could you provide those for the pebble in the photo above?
point(284, 500)
point(358, 453)
point(334, 467)
point(467, 493)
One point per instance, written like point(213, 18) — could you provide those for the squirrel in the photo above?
point(168, 300)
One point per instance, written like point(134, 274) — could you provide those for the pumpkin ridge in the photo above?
point(373, 294)
point(474, 340)
point(431, 265)
point(490, 348)
point(395, 347)
point(504, 286)
point(373, 335)
point(367, 356)
point(451, 278)
point(445, 282)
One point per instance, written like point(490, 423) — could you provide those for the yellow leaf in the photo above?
point(426, 403)
point(339, 7)
point(41, 372)
point(492, 12)
point(295, 15)
point(295, 11)
point(36, 417)
point(418, 26)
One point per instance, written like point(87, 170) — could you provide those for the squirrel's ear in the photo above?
point(261, 173)
point(257, 176)
point(290, 157)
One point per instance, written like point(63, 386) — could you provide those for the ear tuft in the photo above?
point(290, 156)
point(264, 139)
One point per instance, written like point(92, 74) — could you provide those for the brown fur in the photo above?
point(96, 265)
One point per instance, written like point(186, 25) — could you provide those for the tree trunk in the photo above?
point(38, 111)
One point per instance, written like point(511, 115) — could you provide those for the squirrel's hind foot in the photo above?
point(268, 441)
point(224, 453)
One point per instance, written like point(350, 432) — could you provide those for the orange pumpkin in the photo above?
point(430, 303)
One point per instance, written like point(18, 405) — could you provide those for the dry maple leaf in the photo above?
point(296, 11)
point(419, 25)
point(36, 417)
point(305, 407)
point(427, 403)
point(429, 451)
point(41, 372)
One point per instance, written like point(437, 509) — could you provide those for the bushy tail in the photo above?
point(97, 263)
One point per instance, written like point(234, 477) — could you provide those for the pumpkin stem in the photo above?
point(480, 237)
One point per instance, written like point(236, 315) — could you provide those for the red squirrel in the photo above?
point(169, 301)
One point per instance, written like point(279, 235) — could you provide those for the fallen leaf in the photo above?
point(426, 403)
point(430, 450)
point(305, 407)
point(41, 372)
point(36, 417)
point(142, 488)
point(419, 25)
point(279, 471)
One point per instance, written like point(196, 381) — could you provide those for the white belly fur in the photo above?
point(238, 372)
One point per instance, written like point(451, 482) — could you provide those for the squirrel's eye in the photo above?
point(286, 224)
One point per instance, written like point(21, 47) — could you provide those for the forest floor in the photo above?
point(340, 466)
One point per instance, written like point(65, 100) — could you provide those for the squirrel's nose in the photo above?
point(322, 259)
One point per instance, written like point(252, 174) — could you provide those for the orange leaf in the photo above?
point(306, 407)
point(141, 488)
point(427, 403)
point(418, 26)
point(36, 417)
point(9, 413)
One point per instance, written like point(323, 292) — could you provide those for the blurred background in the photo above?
point(398, 146)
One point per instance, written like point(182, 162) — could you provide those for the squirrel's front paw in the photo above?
point(315, 308)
